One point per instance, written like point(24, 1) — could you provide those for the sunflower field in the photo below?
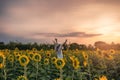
point(44, 65)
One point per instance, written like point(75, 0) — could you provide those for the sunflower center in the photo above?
point(59, 62)
point(17, 56)
point(16, 53)
point(10, 56)
point(23, 60)
point(22, 79)
point(75, 63)
point(48, 55)
point(53, 59)
point(31, 55)
point(37, 57)
point(46, 61)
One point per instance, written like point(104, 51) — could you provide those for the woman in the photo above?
point(58, 48)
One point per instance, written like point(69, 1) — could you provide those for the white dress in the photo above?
point(58, 49)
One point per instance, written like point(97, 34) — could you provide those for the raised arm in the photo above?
point(65, 42)
point(55, 41)
point(55, 44)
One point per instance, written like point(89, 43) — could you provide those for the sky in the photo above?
point(80, 21)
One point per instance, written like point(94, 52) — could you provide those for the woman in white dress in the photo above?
point(58, 48)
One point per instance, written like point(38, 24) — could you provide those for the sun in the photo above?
point(105, 30)
point(106, 25)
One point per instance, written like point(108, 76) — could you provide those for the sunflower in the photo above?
point(48, 54)
point(2, 58)
point(6, 52)
point(21, 53)
point(109, 57)
point(85, 63)
point(34, 49)
point(11, 58)
point(16, 49)
point(97, 49)
point(76, 63)
point(59, 63)
point(53, 59)
point(77, 50)
point(72, 58)
point(37, 57)
point(27, 51)
point(112, 51)
point(1, 65)
point(22, 78)
point(1, 52)
point(85, 55)
point(17, 56)
point(30, 55)
point(24, 60)
point(103, 78)
point(16, 53)
point(46, 61)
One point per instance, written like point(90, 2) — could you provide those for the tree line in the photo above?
point(45, 46)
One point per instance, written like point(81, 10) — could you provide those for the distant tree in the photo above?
point(74, 46)
point(2, 45)
point(101, 45)
point(45, 46)
point(90, 47)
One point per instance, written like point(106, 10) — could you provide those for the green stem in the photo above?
point(80, 75)
point(73, 74)
point(61, 71)
point(115, 68)
point(89, 69)
point(5, 73)
point(25, 70)
point(105, 66)
point(12, 64)
point(37, 70)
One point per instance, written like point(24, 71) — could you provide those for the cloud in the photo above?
point(7, 38)
point(49, 7)
point(72, 34)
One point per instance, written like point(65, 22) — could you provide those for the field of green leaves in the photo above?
point(44, 65)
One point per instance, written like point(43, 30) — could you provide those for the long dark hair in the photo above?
point(57, 47)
